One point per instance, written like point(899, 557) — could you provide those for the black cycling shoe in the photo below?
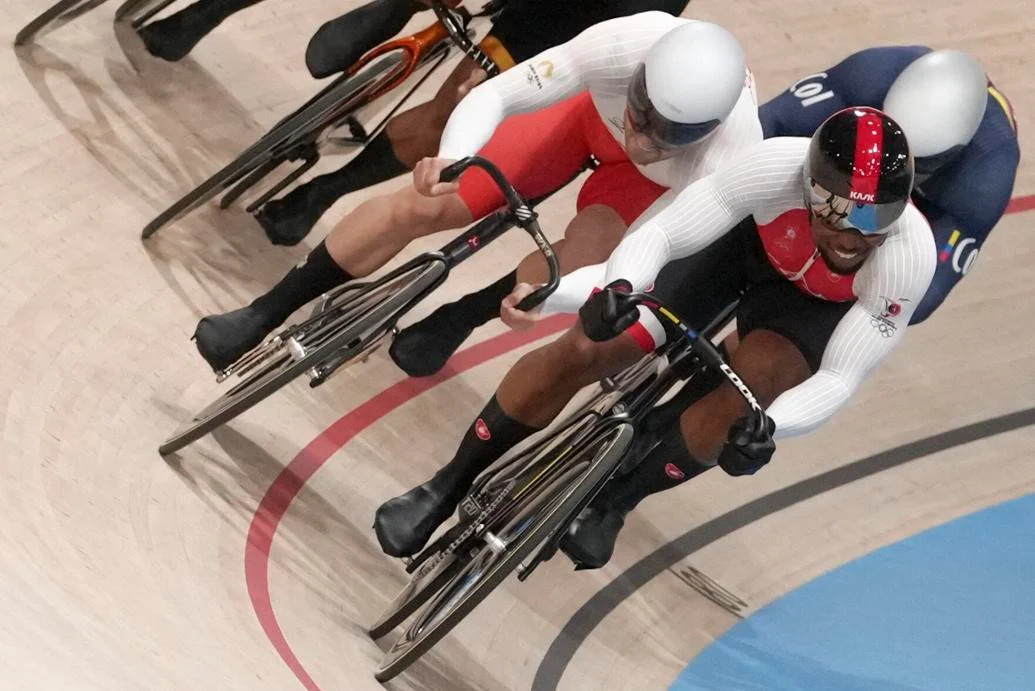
point(405, 524)
point(590, 540)
point(223, 338)
point(423, 348)
point(174, 37)
point(287, 221)
point(339, 43)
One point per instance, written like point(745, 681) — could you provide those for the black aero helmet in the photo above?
point(859, 171)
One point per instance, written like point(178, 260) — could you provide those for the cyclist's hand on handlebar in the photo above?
point(750, 445)
point(519, 320)
point(608, 312)
point(426, 177)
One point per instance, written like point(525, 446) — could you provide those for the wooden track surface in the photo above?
point(119, 570)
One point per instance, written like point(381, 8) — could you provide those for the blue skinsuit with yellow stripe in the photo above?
point(962, 201)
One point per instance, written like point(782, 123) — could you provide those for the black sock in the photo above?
point(483, 305)
point(654, 474)
point(317, 274)
point(668, 465)
point(376, 163)
point(492, 434)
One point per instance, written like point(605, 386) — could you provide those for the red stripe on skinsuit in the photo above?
point(869, 149)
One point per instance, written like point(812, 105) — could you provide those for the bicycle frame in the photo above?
point(350, 321)
point(448, 257)
point(623, 400)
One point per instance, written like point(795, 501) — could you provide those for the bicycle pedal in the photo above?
point(296, 349)
point(495, 544)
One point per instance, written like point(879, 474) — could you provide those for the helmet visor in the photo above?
point(845, 214)
point(646, 120)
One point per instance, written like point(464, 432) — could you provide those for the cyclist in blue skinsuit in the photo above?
point(962, 197)
point(963, 136)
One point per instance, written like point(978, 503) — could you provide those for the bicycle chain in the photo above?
point(469, 530)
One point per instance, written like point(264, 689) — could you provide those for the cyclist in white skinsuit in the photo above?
point(817, 239)
point(658, 100)
point(670, 95)
point(541, 151)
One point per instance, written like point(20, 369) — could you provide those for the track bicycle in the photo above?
point(349, 323)
point(332, 117)
point(135, 11)
point(519, 509)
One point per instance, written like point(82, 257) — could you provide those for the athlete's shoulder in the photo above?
point(976, 187)
point(998, 126)
point(905, 263)
point(864, 78)
point(764, 179)
point(651, 21)
point(621, 42)
point(777, 151)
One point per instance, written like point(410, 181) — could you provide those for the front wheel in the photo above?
point(426, 581)
point(342, 331)
point(285, 140)
point(505, 548)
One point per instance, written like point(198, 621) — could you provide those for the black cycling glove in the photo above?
point(750, 445)
point(608, 312)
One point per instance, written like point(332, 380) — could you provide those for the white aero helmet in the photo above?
point(938, 101)
point(687, 85)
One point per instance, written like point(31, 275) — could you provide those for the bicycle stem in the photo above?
point(518, 213)
point(455, 22)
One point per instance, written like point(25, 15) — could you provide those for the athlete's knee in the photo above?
point(769, 363)
point(576, 356)
point(416, 215)
point(576, 361)
point(594, 233)
point(465, 77)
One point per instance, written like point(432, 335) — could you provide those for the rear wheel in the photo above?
point(139, 12)
point(58, 12)
point(528, 526)
point(287, 139)
point(343, 330)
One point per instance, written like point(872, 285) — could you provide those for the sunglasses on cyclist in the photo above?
point(844, 214)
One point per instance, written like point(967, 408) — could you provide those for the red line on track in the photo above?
point(292, 478)
point(1019, 204)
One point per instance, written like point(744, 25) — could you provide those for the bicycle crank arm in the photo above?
point(322, 372)
point(544, 552)
point(249, 360)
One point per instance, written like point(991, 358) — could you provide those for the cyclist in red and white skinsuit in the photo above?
point(600, 72)
point(815, 237)
point(686, 79)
